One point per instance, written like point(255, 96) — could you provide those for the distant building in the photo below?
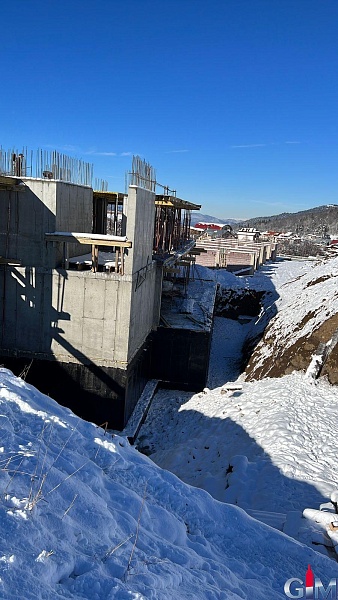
point(211, 226)
point(248, 234)
point(242, 255)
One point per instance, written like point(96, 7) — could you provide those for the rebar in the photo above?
point(47, 164)
point(142, 174)
point(100, 185)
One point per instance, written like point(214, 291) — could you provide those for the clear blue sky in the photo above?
point(234, 102)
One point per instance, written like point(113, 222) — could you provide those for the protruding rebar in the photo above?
point(48, 164)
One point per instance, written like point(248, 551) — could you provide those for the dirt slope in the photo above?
point(306, 315)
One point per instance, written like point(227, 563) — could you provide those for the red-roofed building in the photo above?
point(212, 226)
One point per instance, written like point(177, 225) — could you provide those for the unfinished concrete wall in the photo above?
point(239, 260)
point(142, 310)
point(25, 305)
point(72, 316)
point(74, 207)
point(103, 317)
point(74, 212)
point(24, 218)
point(140, 228)
point(145, 291)
point(180, 357)
point(94, 317)
point(44, 206)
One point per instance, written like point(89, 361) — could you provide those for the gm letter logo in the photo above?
point(312, 589)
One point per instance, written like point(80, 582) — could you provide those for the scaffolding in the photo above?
point(172, 223)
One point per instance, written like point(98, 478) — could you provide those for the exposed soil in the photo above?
point(298, 356)
point(319, 280)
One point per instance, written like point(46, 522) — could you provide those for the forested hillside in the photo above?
point(322, 219)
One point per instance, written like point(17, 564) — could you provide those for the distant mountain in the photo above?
point(197, 217)
point(322, 219)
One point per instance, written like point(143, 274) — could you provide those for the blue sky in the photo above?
point(234, 102)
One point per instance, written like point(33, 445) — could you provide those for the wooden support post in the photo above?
point(117, 250)
point(95, 258)
point(65, 256)
point(122, 262)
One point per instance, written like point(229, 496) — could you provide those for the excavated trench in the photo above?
point(234, 304)
point(245, 306)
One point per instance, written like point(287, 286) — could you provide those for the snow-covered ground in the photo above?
point(270, 446)
point(84, 515)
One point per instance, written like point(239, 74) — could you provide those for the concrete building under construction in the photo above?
point(81, 275)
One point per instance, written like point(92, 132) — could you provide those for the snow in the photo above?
point(226, 357)
point(91, 236)
point(265, 432)
point(305, 295)
point(217, 512)
point(84, 515)
point(104, 258)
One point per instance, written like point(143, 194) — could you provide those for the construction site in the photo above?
point(99, 289)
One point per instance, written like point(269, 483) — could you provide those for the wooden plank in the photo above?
point(9, 261)
point(173, 201)
point(8, 180)
point(140, 411)
point(11, 183)
point(117, 260)
point(109, 196)
point(164, 203)
point(87, 238)
point(66, 255)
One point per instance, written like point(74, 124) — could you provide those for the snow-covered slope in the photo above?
point(306, 315)
point(84, 515)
